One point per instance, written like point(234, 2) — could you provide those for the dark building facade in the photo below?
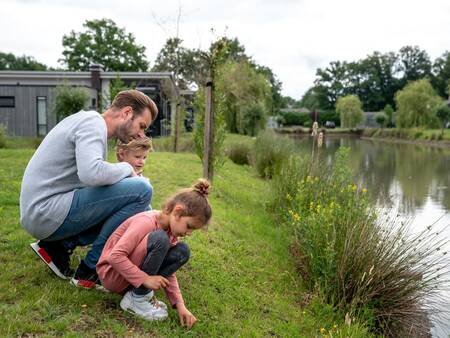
point(27, 97)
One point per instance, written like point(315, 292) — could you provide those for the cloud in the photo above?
point(293, 37)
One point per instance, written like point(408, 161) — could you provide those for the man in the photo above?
point(71, 196)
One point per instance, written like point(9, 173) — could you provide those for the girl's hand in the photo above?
point(155, 282)
point(186, 317)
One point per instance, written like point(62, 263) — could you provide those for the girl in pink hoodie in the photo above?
point(143, 254)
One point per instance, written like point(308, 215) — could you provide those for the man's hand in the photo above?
point(186, 317)
point(155, 282)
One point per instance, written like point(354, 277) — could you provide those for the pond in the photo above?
point(413, 180)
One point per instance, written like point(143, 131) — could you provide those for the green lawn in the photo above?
point(240, 280)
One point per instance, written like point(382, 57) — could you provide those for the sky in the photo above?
point(292, 37)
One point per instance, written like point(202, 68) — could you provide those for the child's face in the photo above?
point(134, 157)
point(182, 226)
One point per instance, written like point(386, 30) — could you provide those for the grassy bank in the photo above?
point(241, 280)
point(418, 135)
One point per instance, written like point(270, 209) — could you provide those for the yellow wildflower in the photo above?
point(322, 330)
point(364, 190)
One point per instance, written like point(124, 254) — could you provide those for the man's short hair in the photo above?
point(136, 100)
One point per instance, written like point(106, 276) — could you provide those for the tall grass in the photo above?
point(270, 151)
point(364, 263)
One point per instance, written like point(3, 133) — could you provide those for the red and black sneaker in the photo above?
point(87, 278)
point(55, 256)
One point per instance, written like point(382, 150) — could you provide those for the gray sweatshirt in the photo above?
point(70, 157)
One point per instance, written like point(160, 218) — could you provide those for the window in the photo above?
point(41, 115)
point(7, 102)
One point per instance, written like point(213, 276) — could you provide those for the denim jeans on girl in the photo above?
point(97, 211)
point(161, 259)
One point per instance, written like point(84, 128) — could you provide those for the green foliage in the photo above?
point(3, 136)
point(350, 111)
point(329, 116)
point(70, 100)
point(269, 152)
point(239, 153)
point(364, 264)
point(381, 118)
point(103, 42)
point(416, 105)
point(389, 111)
point(253, 119)
point(291, 118)
point(115, 86)
point(243, 91)
point(187, 65)
point(443, 113)
point(9, 61)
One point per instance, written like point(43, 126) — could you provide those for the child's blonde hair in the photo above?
point(194, 200)
point(143, 143)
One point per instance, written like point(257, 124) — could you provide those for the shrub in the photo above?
point(382, 119)
point(239, 153)
point(252, 119)
point(291, 118)
point(2, 136)
point(269, 152)
point(363, 263)
point(329, 116)
point(70, 100)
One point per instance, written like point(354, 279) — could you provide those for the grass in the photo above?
point(240, 281)
point(414, 134)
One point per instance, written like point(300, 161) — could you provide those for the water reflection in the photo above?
point(406, 174)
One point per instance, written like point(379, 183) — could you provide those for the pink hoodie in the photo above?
point(124, 252)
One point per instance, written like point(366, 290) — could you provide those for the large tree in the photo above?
point(414, 63)
point(105, 43)
point(186, 64)
point(441, 74)
point(9, 61)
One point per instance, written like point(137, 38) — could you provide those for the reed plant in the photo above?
point(363, 261)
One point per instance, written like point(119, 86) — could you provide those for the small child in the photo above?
point(143, 254)
point(135, 153)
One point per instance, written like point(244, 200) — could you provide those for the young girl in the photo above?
point(143, 254)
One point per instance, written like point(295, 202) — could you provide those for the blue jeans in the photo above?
point(97, 211)
point(161, 259)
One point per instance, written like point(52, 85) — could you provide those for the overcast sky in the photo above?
point(292, 37)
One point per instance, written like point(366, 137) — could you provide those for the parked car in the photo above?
point(330, 124)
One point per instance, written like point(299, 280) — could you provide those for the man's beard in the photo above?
point(124, 132)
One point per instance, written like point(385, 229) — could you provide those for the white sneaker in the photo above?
point(152, 299)
point(141, 306)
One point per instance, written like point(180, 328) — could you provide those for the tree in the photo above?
point(241, 87)
point(441, 74)
point(443, 114)
point(416, 105)
point(70, 100)
point(104, 43)
point(186, 64)
point(415, 64)
point(389, 111)
point(9, 61)
point(350, 111)
point(381, 118)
